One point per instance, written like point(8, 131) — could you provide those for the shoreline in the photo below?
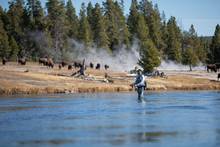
point(38, 80)
point(37, 92)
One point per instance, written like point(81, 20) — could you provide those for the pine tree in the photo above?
point(15, 15)
point(84, 27)
point(192, 42)
point(72, 20)
point(117, 29)
point(26, 21)
point(133, 18)
point(142, 29)
point(215, 46)
point(146, 8)
point(190, 58)
point(155, 26)
point(196, 44)
point(164, 36)
point(173, 50)
point(149, 56)
point(14, 49)
point(100, 35)
point(123, 27)
point(35, 14)
point(5, 19)
point(90, 11)
point(203, 50)
point(112, 29)
point(4, 45)
point(57, 27)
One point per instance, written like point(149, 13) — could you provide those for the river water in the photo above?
point(167, 119)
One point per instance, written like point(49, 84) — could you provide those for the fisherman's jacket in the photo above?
point(140, 81)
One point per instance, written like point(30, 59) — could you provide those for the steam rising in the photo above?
point(121, 59)
point(172, 66)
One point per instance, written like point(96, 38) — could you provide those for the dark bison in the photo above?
point(46, 62)
point(22, 61)
point(50, 63)
point(217, 66)
point(70, 67)
point(63, 63)
point(98, 66)
point(218, 76)
point(106, 67)
point(60, 66)
point(43, 61)
point(77, 65)
point(211, 67)
point(91, 65)
point(4, 61)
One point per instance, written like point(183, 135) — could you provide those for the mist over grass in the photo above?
point(172, 66)
point(121, 59)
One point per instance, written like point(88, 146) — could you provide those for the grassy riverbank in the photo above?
point(36, 79)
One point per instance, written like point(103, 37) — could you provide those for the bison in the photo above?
point(70, 67)
point(60, 66)
point(50, 63)
point(106, 67)
point(22, 61)
point(46, 62)
point(98, 66)
point(4, 61)
point(91, 65)
point(217, 66)
point(211, 67)
point(43, 61)
point(218, 76)
point(63, 63)
point(77, 65)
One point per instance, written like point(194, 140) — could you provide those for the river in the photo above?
point(167, 119)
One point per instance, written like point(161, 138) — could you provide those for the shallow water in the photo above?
point(167, 119)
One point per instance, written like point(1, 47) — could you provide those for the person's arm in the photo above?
point(134, 82)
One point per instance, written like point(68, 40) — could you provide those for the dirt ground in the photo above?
point(36, 79)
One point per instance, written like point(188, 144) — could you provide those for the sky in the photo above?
point(204, 14)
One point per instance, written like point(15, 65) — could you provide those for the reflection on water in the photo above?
point(141, 136)
point(167, 119)
point(45, 142)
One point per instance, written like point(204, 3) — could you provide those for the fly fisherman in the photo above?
point(140, 84)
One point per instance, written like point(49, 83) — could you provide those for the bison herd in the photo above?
point(76, 64)
point(48, 62)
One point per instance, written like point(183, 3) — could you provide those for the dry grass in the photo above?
point(14, 79)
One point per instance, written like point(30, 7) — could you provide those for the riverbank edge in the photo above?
point(51, 90)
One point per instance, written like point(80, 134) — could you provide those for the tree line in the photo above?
point(27, 29)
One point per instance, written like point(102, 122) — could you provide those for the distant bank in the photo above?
point(36, 79)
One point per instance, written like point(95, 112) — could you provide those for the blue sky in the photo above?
point(204, 14)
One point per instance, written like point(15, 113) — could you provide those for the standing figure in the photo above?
point(140, 84)
point(81, 71)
